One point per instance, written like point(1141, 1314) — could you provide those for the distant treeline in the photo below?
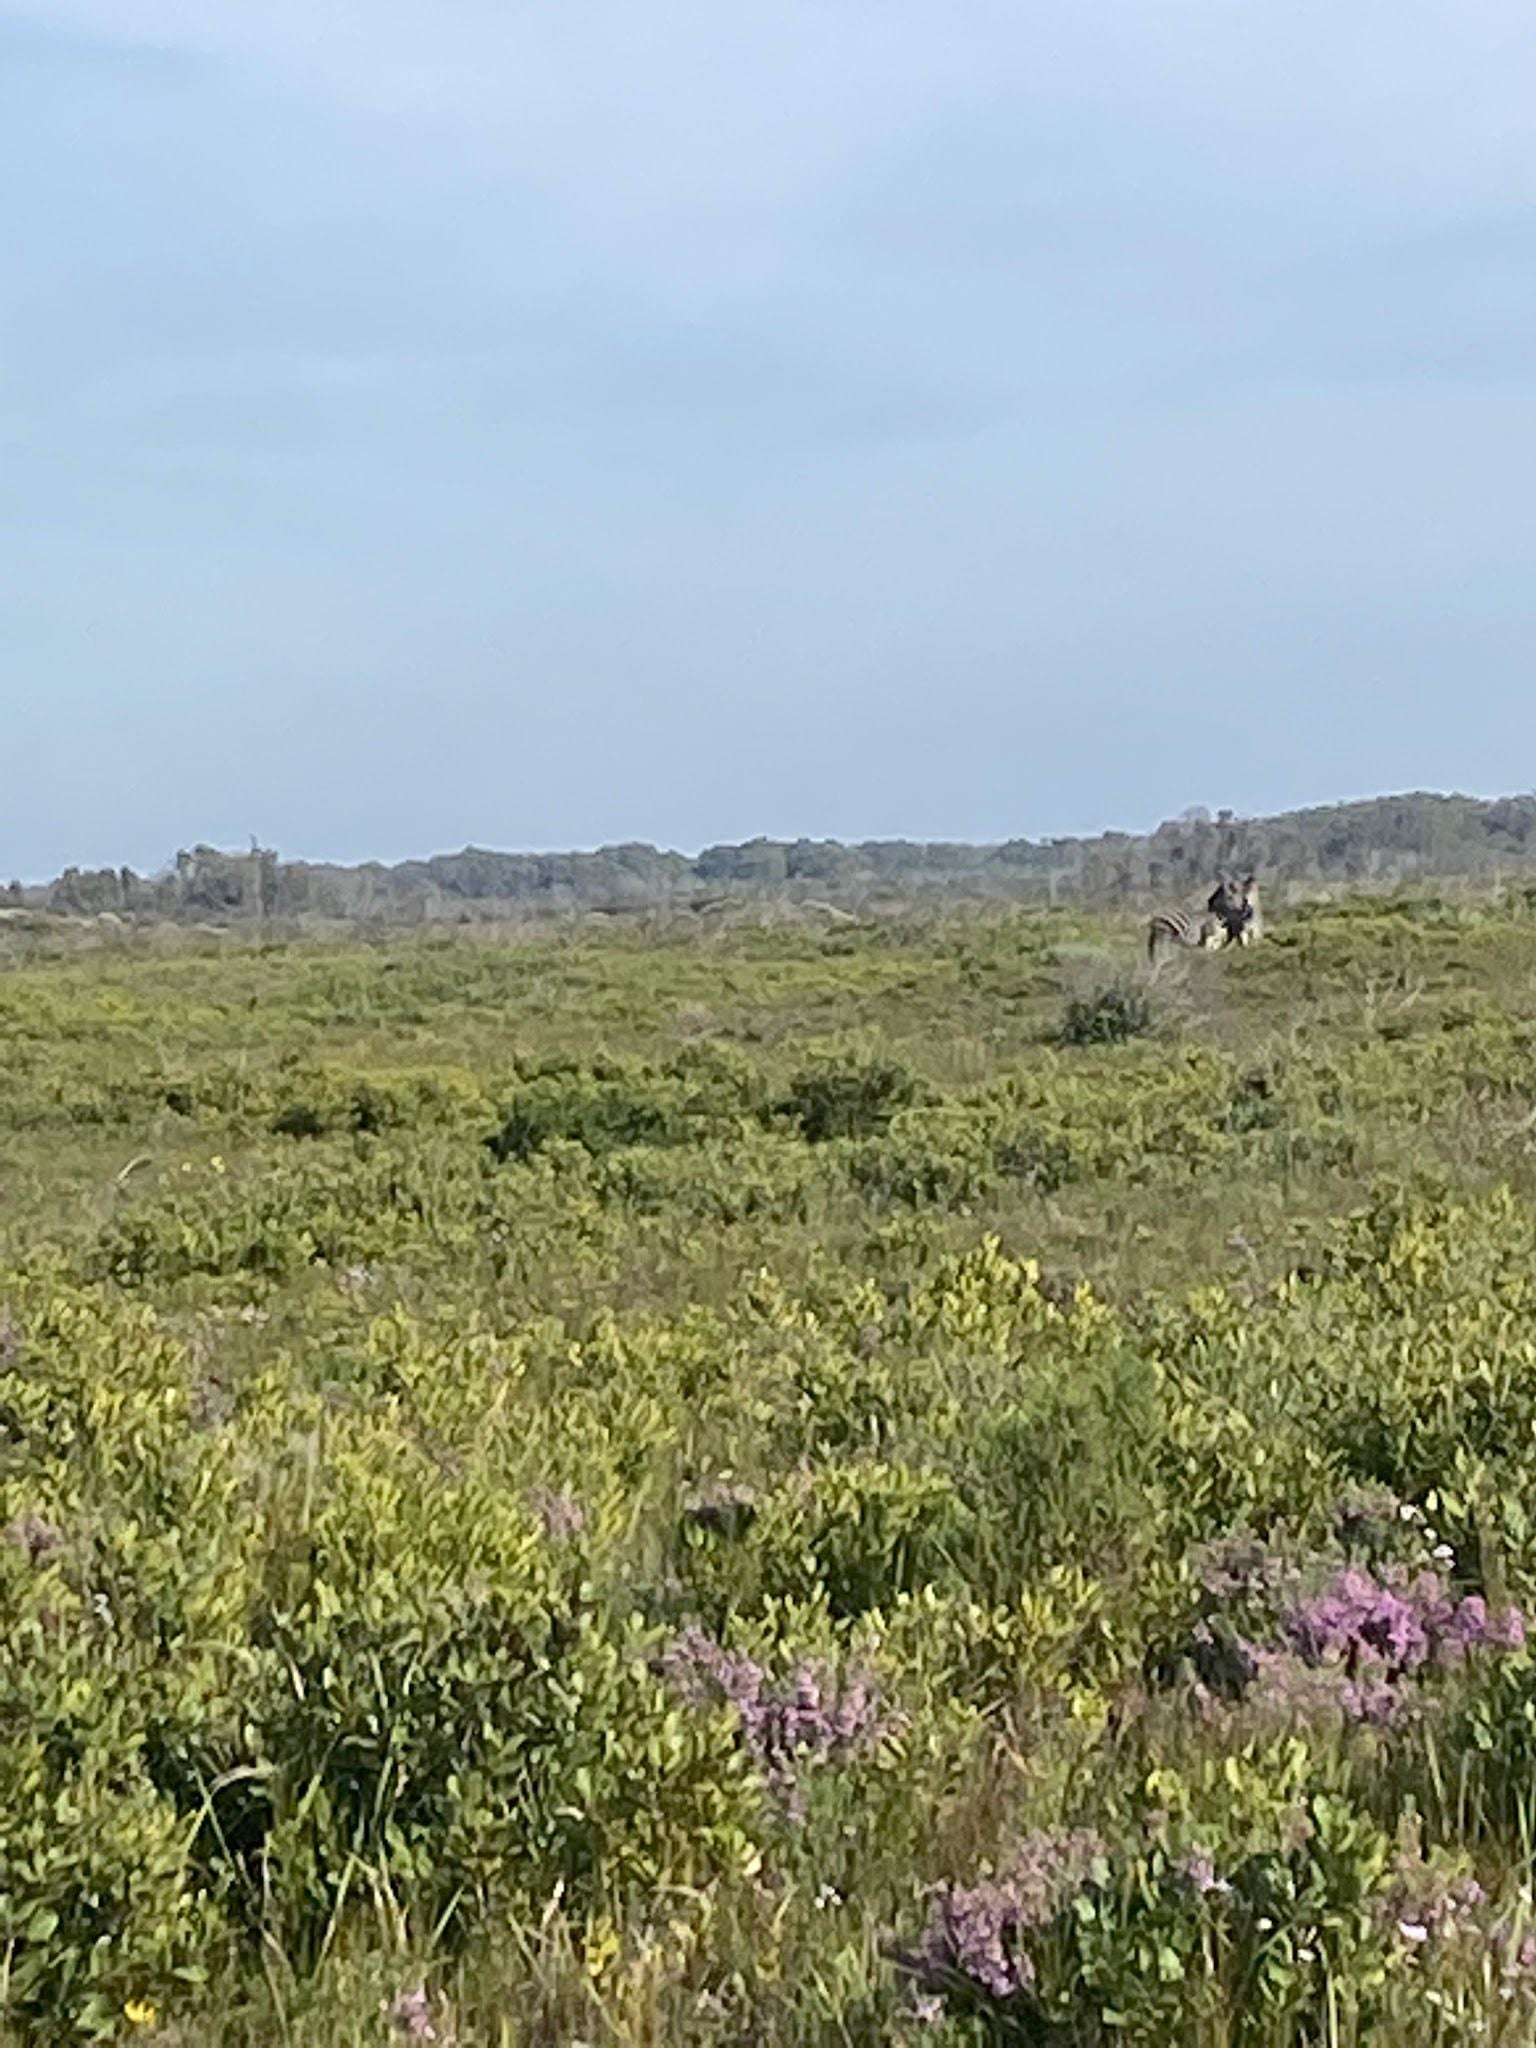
point(1384, 841)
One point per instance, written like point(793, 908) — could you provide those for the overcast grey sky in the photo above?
point(425, 421)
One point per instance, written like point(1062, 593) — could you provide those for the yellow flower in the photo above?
point(138, 2012)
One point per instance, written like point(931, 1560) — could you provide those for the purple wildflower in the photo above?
point(562, 1514)
point(1472, 1627)
point(978, 1934)
point(1358, 1619)
point(975, 1931)
point(810, 1717)
point(1199, 1873)
point(1423, 1907)
point(417, 2019)
point(1306, 1691)
point(1358, 1645)
point(1514, 1944)
point(37, 1536)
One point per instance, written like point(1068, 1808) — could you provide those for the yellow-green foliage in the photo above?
point(413, 1353)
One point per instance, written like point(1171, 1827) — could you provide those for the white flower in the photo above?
point(1413, 1930)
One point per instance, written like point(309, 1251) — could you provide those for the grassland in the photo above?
point(890, 1483)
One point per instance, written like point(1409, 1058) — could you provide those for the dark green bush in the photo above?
point(609, 1105)
point(853, 1096)
point(1107, 1016)
point(300, 1120)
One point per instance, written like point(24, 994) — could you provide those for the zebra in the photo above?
point(1245, 895)
point(1230, 917)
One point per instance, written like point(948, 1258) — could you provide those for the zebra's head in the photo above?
point(1236, 904)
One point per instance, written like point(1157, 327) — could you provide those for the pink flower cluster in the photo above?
point(1426, 1911)
point(1357, 1646)
point(1370, 1637)
point(977, 1934)
point(1399, 1626)
point(1422, 1906)
point(417, 2018)
point(809, 1717)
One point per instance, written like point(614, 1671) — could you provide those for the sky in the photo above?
point(430, 422)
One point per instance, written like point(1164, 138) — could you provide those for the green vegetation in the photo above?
point(876, 1482)
point(1384, 842)
point(1109, 1015)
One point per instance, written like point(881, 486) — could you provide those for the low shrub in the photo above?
point(1107, 1016)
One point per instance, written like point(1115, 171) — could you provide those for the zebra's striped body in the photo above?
point(1178, 928)
point(1230, 917)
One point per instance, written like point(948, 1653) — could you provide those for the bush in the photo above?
point(848, 1097)
point(1107, 1016)
point(611, 1105)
